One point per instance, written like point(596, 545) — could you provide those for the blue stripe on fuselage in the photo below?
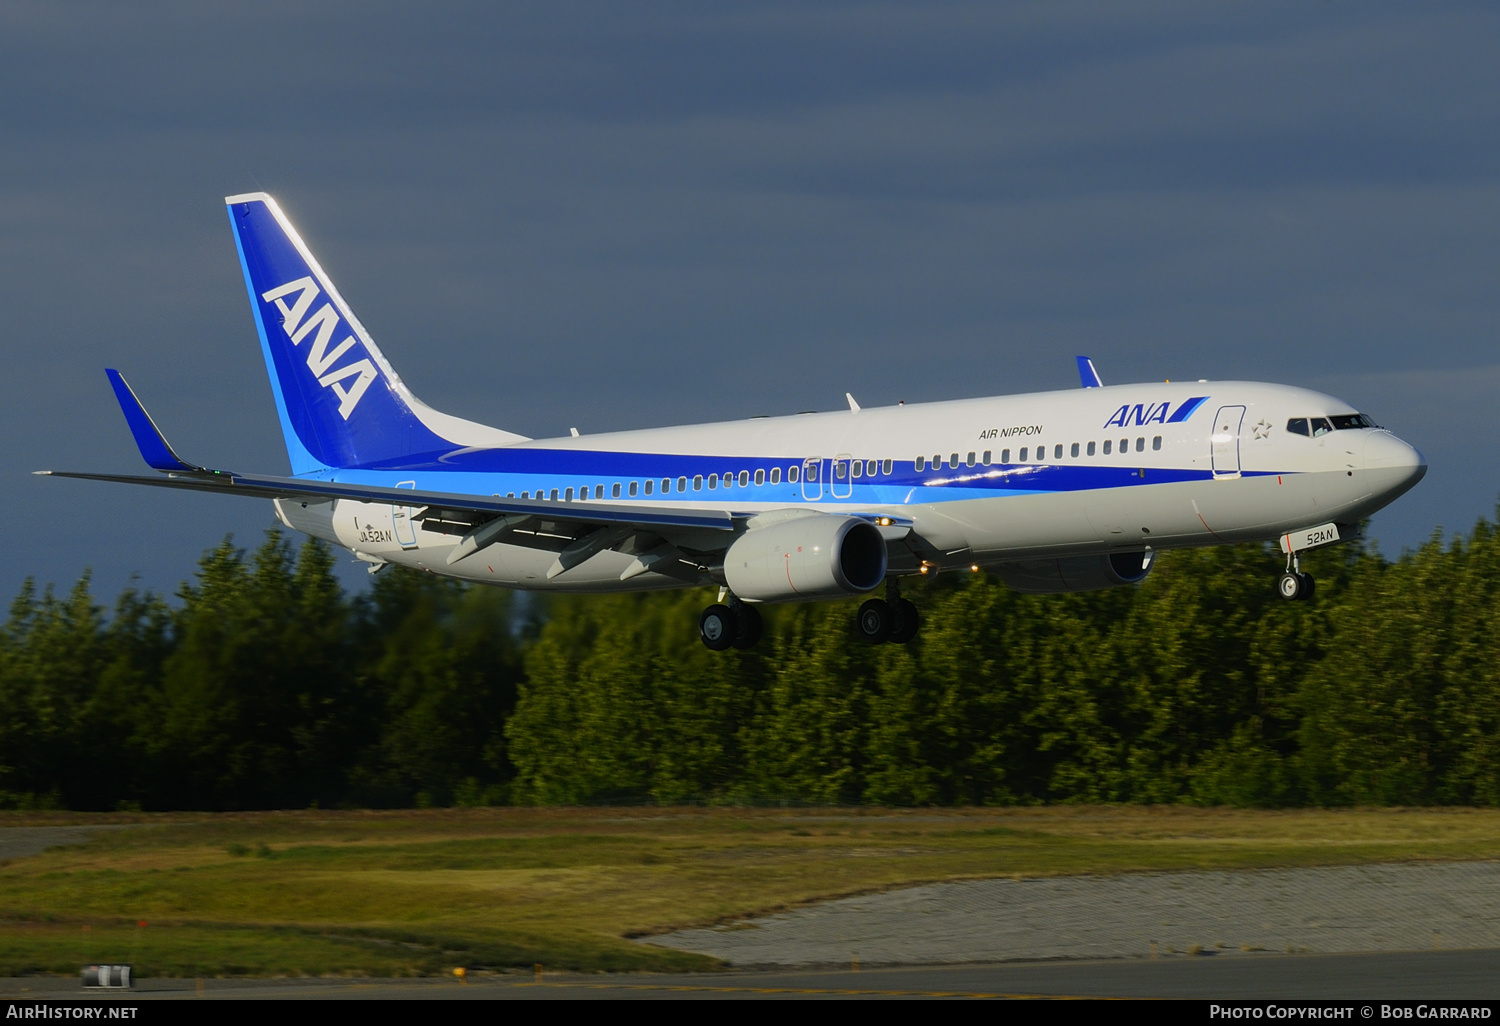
point(539, 471)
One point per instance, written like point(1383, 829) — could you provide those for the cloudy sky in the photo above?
point(625, 215)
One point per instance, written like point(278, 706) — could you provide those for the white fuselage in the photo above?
point(1016, 477)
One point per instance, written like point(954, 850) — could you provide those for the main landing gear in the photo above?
point(892, 618)
point(1294, 585)
point(735, 625)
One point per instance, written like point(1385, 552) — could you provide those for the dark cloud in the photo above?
point(620, 215)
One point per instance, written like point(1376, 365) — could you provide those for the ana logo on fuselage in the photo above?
point(298, 326)
point(1142, 414)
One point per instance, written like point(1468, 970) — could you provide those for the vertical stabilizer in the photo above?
point(341, 404)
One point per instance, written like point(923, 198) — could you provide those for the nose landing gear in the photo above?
point(1294, 585)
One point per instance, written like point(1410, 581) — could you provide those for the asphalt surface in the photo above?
point(1391, 907)
point(1425, 975)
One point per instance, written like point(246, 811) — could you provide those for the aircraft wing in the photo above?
point(268, 487)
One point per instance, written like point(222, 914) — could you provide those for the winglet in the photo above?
point(154, 448)
point(1087, 374)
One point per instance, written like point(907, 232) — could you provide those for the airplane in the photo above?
point(1053, 492)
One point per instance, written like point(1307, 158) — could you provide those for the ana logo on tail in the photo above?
point(298, 326)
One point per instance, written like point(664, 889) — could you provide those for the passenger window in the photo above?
point(1106, 446)
point(1041, 453)
point(649, 485)
point(745, 477)
point(1004, 456)
point(840, 469)
point(1091, 448)
point(568, 495)
point(666, 486)
point(1024, 450)
point(921, 463)
point(776, 475)
point(986, 459)
point(615, 491)
point(554, 495)
point(887, 467)
point(1057, 451)
point(793, 474)
point(1140, 444)
point(858, 469)
point(510, 495)
point(760, 477)
point(728, 478)
point(1074, 450)
point(1320, 426)
point(970, 461)
point(632, 489)
point(1297, 426)
point(871, 468)
point(1124, 446)
point(697, 482)
point(1156, 444)
point(525, 495)
point(713, 481)
point(953, 461)
point(682, 483)
point(598, 491)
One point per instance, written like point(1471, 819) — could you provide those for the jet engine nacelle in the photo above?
point(1076, 573)
point(806, 557)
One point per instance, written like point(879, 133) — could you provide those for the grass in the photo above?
point(420, 892)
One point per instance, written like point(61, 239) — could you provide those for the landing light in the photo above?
point(974, 568)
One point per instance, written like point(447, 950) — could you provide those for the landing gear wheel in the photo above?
point(717, 627)
point(907, 621)
point(747, 626)
point(1295, 586)
point(875, 621)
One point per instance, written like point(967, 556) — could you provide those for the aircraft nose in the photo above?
point(1384, 451)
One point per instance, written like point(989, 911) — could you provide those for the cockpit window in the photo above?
point(1345, 421)
point(1320, 426)
point(1297, 426)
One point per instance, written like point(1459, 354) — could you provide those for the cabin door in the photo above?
point(812, 480)
point(406, 531)
point(1226, 442)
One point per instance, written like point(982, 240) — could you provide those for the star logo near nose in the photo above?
point(1262, 429)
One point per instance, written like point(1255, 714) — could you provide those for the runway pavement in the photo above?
point(1426, 975)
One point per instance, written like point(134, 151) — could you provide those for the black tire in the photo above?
point(874, 621)
point(1289, 586)
point(907, 622)
point(1309, 587)
point(747, 627)
point(717, 627)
